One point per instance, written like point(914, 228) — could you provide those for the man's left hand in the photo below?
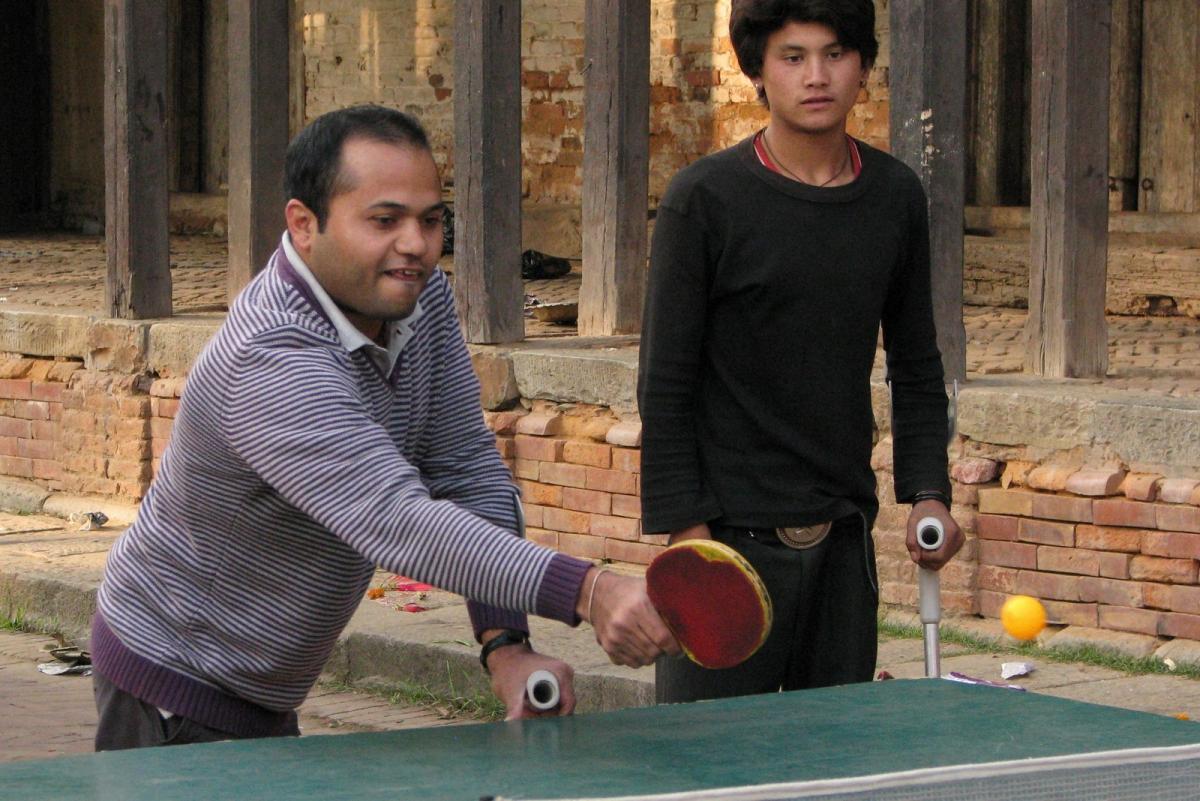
point(511, 667)
point(933, 560)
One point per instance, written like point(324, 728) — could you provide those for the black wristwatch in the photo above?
point(505, 637)
point(932, 495)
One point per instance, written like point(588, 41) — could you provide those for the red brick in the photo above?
point(541, 494)
point(13, 466)
point(522, 468)
point(16, 388)
point(131, 428)
point(997, 579)
point(638, 553)
point(567, 475)
point(1051, 477)
point(1141, 486)
point(502, 422)
point(540, 425)
point(627, 506)
point(582, 500)
point(627, 434)
point(621, 528)
point(538, 448)
point(655, 539)
point(974, 470)
point(1173, 624)
point(964, 494)
point(11, 446)
point(1184, 599)
point(47, 469)
point(1008, 554)
point(1110, 591)
point(1174, 544)
point(1006, 502)
point(534, 515)
point(1121, 618)
point(566, 520)
point(584, 546)
point(162, 407)
point(1172, 518)
point(36, 448)
point(1070, 614)
point(48, 392)
point(1117, 512)
point(615, 481)
point(31, 410)
point(1062, 507)
point(1177, 490)
point(1068, 560)
point(1114, 565)
point(627, 460)
point(12, 427)
point(1044, 532)
point(1096, 483)
point(997, 527)
point(588, 453)
point(541, 536)
point(1168, 571)
point(1108, 539)
point(506, 448)
point(1047, 585)
point(1158, 596)
point(44, 430)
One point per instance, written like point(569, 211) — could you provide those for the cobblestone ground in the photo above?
point(47, 716)
point(1158, 355)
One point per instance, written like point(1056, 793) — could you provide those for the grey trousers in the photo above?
point(129, 722)
point(825, 631)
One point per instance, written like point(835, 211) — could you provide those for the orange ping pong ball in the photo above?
point(1023, 617)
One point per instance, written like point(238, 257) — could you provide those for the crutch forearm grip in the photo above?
point(930, 536)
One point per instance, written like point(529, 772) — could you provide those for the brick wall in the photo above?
point(400, 53)
point(76, 431)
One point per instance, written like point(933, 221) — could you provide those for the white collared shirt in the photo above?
point(399, 332)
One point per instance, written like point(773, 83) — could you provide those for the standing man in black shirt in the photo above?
point(774, 264)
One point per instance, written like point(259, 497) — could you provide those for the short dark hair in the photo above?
point(752, 22)
point(312, 166)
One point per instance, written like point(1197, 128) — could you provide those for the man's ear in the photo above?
point(302, 225)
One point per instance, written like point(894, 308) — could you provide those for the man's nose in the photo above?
point(410, 240)
point(816, 72)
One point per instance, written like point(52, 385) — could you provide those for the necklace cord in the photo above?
point(831, 179)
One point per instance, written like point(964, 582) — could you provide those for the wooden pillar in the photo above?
point(1066, 329)
point(487, 170)
point(136, 151)
point(928, 97)
point(996, 157)
point(1125, 82)
point(259, 89)
point(1170, 124)
point(616, 166)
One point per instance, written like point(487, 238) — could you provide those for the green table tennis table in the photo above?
point(917, 739)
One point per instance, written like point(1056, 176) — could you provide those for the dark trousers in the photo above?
point(129, 722)
point(825, 603)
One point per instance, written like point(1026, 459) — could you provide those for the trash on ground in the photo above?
point(89, 520)
point(69, 661)
point(963, 678)
point(1013, 670)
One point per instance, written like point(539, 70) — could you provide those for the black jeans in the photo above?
point(129, 722)
point(825, 631)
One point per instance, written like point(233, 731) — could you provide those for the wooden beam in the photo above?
point(136, 151)
point(616, 166)
point(1125, 82)
point(487, 170)
point(259, 88)
point(1170, 104)
point(928, 97)
point(1066, 330)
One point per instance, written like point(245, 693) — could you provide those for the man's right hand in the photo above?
point(627, 626)
point(700, 531)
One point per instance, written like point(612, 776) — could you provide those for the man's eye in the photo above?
point(383, 220)
point(835, 54)
point(433, 222)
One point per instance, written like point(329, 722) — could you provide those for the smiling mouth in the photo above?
point(405, 274)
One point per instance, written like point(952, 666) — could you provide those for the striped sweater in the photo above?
point(294, 468)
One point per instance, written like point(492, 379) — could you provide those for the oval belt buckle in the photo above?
point(801, 537)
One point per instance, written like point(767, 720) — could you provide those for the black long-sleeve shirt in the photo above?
point(763, 310)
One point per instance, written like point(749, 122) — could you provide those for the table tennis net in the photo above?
point(1149, 774)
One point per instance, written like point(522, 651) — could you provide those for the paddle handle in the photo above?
point(930, 536)
point(541, 690)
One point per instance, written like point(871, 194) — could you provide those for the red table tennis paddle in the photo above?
point(712, 600)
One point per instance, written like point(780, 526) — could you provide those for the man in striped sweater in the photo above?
point(331, 425)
